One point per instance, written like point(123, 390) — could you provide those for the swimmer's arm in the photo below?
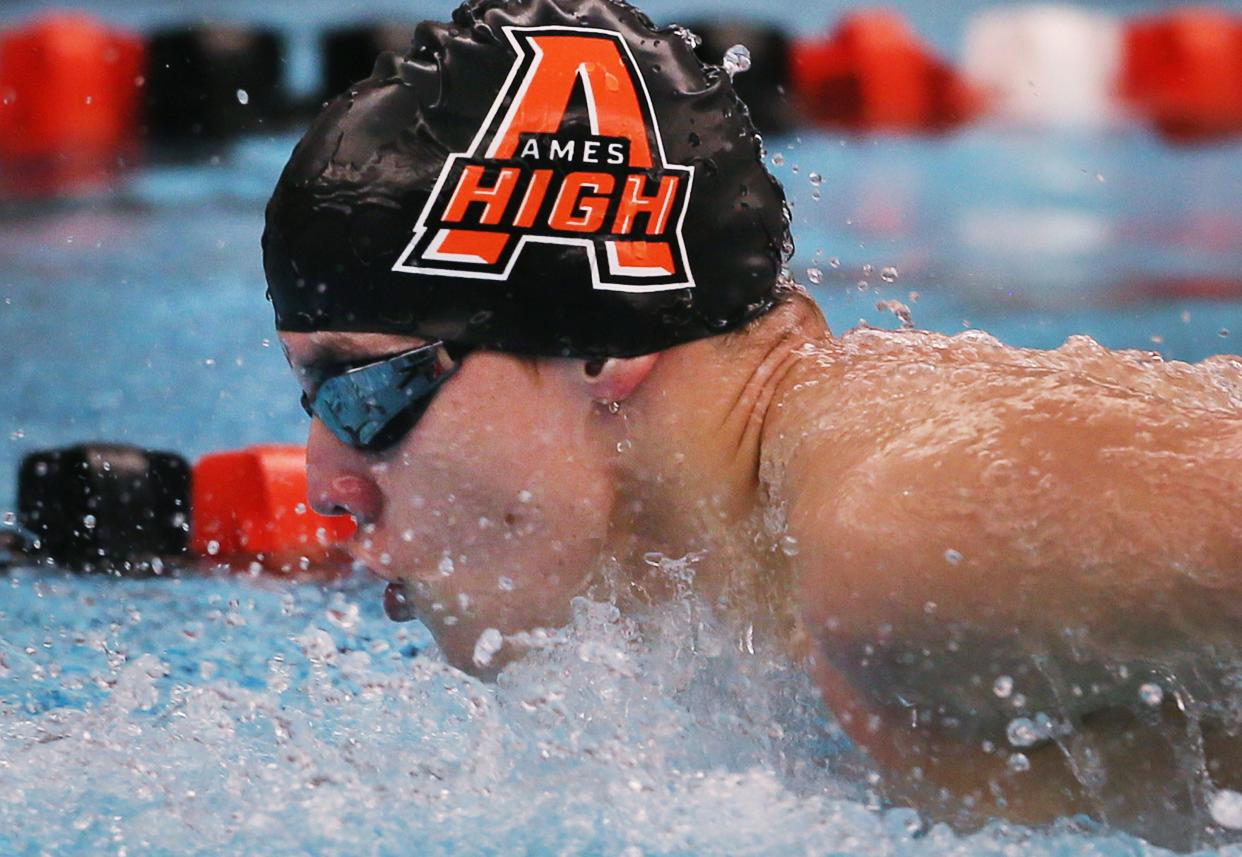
point(1028, 521)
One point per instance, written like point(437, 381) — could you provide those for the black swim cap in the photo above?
point(545, 177)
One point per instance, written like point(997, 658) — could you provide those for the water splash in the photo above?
point(145, 730)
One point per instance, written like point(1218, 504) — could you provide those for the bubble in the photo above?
point(952, 557)
point(1003, 686)
point(1151, 693)
point(446, 566)
point(815, 178)
point(243, 97)
point(10, 95)
point(834, 262)
point(736, 60)
point(213, 547)
point(867, 270)
point(504, 584)
point(815, 275)
point(88, 521)
point(889, 274)
point(486, 647)
point(525, 496)
point(1223, 332)
point(778, 160)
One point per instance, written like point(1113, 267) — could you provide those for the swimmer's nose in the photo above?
point(336, 480)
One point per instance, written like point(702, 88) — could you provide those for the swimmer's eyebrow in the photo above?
point(330, 355)
point(330, 352)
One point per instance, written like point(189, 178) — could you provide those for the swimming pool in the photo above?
point(211, 714)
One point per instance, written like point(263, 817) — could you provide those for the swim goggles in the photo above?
point(373, 405)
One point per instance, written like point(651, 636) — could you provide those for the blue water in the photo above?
point(224, 714)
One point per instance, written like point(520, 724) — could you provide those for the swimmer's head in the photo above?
point(543, 177)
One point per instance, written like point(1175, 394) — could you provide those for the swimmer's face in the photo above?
point(491, 512)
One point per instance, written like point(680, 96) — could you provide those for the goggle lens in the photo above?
point(371, 407)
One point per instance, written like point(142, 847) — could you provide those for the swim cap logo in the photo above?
point(535, 172)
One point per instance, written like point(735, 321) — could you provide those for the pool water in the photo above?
point(218, 713)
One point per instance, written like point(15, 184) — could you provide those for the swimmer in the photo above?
point(529, 277)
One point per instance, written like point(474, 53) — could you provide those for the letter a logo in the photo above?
point(569, 153)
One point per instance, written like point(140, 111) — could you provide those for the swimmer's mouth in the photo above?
point(397, 604)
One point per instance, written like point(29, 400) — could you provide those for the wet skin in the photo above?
point(916, 516)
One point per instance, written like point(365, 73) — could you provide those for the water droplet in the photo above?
point(687, 36)
point(1223, 332)
point(10, 95)
point(1226, 809)
point(10, 518)
point(1151, 693)
point(88, 521)
point(952, 557)
point(1018, 763)
point(736, 60)
point(1003, 686)
point(446, 565)
point(789, 546)
point(213, 547)
point(815, 275)
point(525, 496)
point(889, 274)
point(504, 584)
point(898, 309)
point(816, 178)
point(867, 270)
point(614, 407)
point(486, 647)
point(1027, 732)
point(243, 97)
point(834, 262)
point(90, 99)
point(778, 160)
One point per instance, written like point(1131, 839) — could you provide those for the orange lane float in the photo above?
point(252, 503)
point(1183, 72)
point(122, 510)
point(70, 102)
point(873, 73)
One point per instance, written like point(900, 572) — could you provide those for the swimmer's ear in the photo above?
point(614, 379)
